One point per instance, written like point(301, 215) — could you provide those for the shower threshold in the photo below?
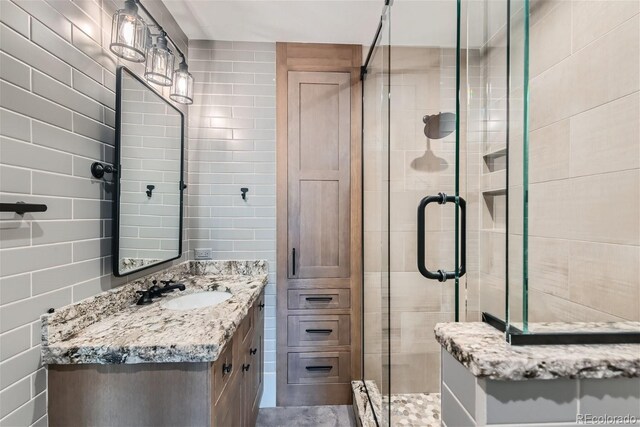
point(407, 409)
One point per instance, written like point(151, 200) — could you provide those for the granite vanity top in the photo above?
point(110, 328)
point(484, 351)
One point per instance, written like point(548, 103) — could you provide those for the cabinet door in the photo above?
point(319, 174)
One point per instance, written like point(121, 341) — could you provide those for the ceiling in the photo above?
point(414, 22)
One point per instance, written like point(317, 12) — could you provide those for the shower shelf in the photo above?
point(493, 230)
point(494, 152)
point(493, 182)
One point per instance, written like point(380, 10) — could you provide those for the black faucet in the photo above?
point(155, 291)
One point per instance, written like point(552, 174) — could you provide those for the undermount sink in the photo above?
point(197, 300)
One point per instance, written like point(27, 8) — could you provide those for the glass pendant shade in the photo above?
point(160, 62)
point(129, 33)
point(182, 88)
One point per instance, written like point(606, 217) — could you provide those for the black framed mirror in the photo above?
point(148, 179)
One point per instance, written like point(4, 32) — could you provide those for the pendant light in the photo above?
point(160, 61)
point(182, 88)
point(129, 33)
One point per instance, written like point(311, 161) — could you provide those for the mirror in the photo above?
point(147, 226)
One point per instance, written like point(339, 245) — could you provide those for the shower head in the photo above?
point(439, 125)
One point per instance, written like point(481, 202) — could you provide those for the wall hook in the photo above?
point(244, 191)
point(150, 189)
point(98, 169)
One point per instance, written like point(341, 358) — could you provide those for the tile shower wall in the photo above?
point(584, 169)
point(231, 146)
point(57, 83)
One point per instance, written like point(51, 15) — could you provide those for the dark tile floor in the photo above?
point(316, 416)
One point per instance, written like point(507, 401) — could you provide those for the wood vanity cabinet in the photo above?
point(238, 375)
point(225, 393)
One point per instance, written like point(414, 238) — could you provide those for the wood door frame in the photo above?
point(328, 58)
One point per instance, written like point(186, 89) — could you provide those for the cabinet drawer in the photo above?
point(319, 368)
point(224, 369)
point(245, 330)
point(320, 330)
point(310, 299)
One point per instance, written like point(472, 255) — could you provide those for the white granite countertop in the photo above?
point(110, 328)
point(484, 351)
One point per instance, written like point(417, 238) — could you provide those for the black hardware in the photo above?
point(319, 368)
point(150, 189)
point(327, 299)
point(253, 351)
point(156, 291)
point(442, 275)
point(318, 331)
point(244, 191)
point(51, 310)
point(98, 169)
point(183, 186)
point(261, 306)
point(226, 369)
point(246, 367)
point(293, 261)
point(145, 298)
point(21, 207)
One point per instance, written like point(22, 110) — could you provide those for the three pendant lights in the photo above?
point(132, 40)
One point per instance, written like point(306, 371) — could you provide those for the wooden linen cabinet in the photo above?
point(319, 233)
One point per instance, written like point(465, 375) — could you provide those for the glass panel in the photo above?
point(422, 163)
point(581, 161)
point(376, 223)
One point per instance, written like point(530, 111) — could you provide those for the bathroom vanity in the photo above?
point(486, 381)
point(112, 362)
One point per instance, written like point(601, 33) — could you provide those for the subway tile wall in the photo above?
point(231, 146)
point(57, 83)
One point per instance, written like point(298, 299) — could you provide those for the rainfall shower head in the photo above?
point(439, 125)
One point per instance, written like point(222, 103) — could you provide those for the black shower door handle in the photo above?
point(441, 275)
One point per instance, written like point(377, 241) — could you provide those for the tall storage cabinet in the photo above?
point(319, 222)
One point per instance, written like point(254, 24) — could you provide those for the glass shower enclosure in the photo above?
point(491, 161)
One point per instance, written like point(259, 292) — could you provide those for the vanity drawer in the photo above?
point(245, 330)
point(319, 367)
point(311, 299)
point(224, 369)
point(319, 330)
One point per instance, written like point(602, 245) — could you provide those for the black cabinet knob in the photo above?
point(253, 351)
point(226, 368)
point(246, 367)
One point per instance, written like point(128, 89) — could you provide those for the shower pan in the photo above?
point(472, 210)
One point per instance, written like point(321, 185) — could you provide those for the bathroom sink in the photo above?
point(197, 300)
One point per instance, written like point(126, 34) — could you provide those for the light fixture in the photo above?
point(160, 61)
point(182, 88)
point(131, 40)
point(129, 33)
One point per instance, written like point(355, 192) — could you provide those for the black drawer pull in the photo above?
point(226, 369)
point(319, 368)
point(246, 367)
point(253, 351)
point(319, 331)
point(261, 306)
point(314, 299)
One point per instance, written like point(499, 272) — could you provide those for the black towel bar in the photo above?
point(21, 208)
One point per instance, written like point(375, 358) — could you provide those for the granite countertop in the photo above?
point(110, 328)
point(484, 351)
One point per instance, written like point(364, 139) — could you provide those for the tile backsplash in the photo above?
point(57, 101)
point(232, 146)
